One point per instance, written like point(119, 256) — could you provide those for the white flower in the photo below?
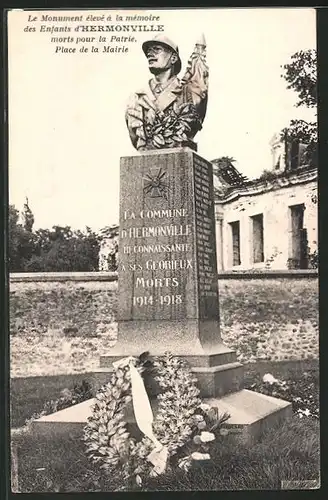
point(269, 378)
point(200, 456)
point(201, 425)
point(206, 437)
point(199, 418)
point(197, 440)
point(138, 480)
point(205, 407)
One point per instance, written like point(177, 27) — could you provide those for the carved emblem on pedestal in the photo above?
point(155, 186)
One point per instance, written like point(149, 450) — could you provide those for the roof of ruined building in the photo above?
point(270, 180)
point(229, 174)
point(226, 177)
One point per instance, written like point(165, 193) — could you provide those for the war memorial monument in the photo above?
point(167, 274)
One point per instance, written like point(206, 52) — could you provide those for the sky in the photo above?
point(66, 111)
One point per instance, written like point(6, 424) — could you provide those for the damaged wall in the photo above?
point(274, 204)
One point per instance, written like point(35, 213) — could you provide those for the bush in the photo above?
point(302, 392)
point(49, 250)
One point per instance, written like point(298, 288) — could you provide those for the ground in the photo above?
point(289, 453)
point(58, 333)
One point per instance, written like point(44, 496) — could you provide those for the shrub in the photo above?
point(302, 392)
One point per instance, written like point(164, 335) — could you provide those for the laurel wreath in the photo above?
point(173, 127)
point(178, 418)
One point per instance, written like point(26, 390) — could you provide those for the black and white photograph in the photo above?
point(163, 250)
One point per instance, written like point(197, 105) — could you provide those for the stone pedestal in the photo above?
point(167, 286)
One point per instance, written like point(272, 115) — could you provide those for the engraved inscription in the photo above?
point(205, 231)
point(167, 260)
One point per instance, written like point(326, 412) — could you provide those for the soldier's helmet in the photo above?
point(167, 43)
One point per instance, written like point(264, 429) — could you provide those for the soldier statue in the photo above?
point(169, 112)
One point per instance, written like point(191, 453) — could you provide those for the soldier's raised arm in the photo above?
point(196, 76)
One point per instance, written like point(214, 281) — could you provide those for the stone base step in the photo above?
point(251, 413)
point(213, 381)
point(221, 355)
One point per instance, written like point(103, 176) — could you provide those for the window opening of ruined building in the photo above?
point(257, 238)
point(298, 243)
point(235, 235)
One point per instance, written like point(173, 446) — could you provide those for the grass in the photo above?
point(28, 395)
point(289, 453)
point(292, 369)
point(292, 452)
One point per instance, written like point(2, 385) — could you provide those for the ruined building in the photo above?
point(269, 222)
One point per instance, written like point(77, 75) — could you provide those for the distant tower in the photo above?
point(278, 153)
